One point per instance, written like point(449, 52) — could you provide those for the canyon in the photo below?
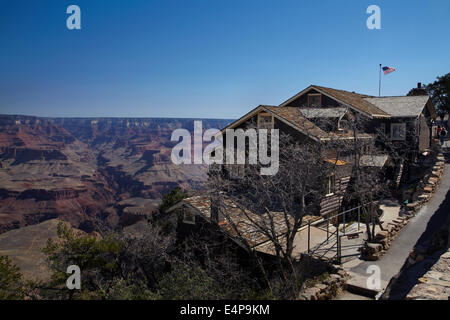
point(89, 171)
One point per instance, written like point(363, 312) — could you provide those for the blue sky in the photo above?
point(209, 58)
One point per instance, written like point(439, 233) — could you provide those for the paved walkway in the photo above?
point(392, 261)
point(349, 247)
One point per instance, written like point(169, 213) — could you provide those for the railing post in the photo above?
point(309, 235)
point(328, 227)
point(337, 244)
point(339, 250)
point(359, 219)
point(344, 221)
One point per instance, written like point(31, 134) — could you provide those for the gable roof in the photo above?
point(349, 99)
point(295, 118)
point(404, 106)
point(290, 116)
point(374, 107)
point(238, 224)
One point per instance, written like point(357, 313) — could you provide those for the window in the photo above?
point(314, 100)
point(398, 131)
point(341, 124)
point(383, 128)
point(331, 185)
point(367, 148)
point(188, 216)
point(215, 168)
point(265, 121)
point(237, 170)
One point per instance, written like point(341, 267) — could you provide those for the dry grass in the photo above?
point(24, 246)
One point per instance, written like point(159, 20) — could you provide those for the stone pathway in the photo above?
point(392, 261)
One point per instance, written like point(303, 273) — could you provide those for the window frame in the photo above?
point(236, 171)
point(265, 114)
point(315, 95)
point(398, 124)
point(383, 128)
point(331, 187)
point(186, 212)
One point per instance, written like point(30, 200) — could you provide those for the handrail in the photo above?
point(326, 250)
point(322, 243)
point(315, 250)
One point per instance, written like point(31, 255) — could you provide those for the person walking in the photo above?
point(442, 135)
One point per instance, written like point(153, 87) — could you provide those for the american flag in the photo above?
point(388, 70)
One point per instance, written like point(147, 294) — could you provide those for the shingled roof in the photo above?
point(289, 115)
point(314, 113)
point(242, 223)
point(350, 99)
point(409, 106)
point(295, 118)
point(375, 107)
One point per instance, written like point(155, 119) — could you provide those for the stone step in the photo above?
point(424, 197)
point(357, 284)
point(412, 206)
point(428, 189)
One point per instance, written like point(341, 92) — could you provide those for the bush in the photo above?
point(11, 287)
point(124, 290)
point(97, 259)
point(186, 282)
point(172, 198)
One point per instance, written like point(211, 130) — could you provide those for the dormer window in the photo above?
point(314, 100)
point(265, 121)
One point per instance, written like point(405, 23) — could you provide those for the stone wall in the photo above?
point(435, 284)
point(425, 274)
point(325, 286)
point(372, 251)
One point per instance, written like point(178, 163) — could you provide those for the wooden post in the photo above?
point(338, 250)
point(328, 227)
point(309, 235)
point(344, 221)
point(359, 219)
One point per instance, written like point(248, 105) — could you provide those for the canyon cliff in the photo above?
point(86, 170)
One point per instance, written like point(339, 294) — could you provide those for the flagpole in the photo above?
point(379, 83)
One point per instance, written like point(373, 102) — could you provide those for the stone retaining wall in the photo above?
point(435, 284)
point(325, 286)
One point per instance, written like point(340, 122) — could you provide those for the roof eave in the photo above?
point(264, 108)
point(284, 104)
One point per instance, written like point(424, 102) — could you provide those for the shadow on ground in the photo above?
point(438, 226)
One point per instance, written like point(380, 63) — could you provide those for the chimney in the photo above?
point(419, 85)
